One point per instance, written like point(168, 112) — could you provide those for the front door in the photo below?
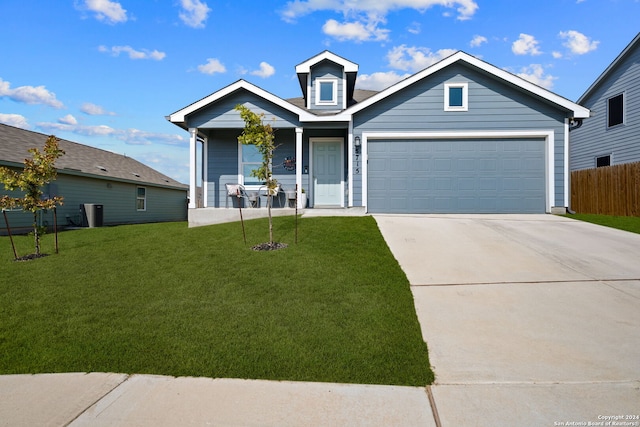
point(327, 172)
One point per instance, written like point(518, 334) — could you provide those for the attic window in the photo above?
point(326, 92)
point(456, 96)
point(102, 168)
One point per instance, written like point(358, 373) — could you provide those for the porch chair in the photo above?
point(238, 191)
point(275, 193)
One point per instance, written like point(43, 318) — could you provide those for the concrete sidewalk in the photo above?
point(144, 400)
point(530, 320)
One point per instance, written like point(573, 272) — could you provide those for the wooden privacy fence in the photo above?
point(611, 190)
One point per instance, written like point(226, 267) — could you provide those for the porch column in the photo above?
point(193, 168)
point(299, 167)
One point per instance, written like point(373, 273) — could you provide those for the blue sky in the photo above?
point(106, 72)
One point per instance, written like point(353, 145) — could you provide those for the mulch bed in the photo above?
point(30, 257)
point(269, 246)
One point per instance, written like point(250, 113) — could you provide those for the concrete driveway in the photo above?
point(531, 320)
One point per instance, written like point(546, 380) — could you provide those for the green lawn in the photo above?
point(627, 223)
point(166, 299)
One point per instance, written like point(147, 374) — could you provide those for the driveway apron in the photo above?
point(530, 319)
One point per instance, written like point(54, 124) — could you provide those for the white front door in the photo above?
point(327, 172)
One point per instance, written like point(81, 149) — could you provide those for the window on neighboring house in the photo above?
point(602, 161)
point(615, 110)
point(456, 96)
point(141, 199)
point(250, 159)
point(326, 92)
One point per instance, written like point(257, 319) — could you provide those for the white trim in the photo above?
point(205, 173)
point(548, 135)
point(193, 168)
point(334, 90)
point(578, 111)
point(350, 152)
point(311, 179)
point(567, 172)
point(465, 96)
point(305, 67)
point(299, 133)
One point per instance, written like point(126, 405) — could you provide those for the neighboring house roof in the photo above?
point(80, 159)
point(635, 43)
point(577, 110)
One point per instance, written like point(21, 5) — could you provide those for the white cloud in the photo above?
point(357, 31)
point(129, 136)
point(477, 41)
point(14, 120)
point(105, 10)
point(415, 58)
point(535, 73)
point(95, 110)
point(194, 13)
point(378, 8)
point(29, 94)
point(577, 42)
point(266, 70)
point(379, 81)
point(68, 120)
point(134, 54)
point(526, 45)
point(556, 54)
point(212, 66)
point(415, 28)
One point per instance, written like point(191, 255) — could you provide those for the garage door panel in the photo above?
point(457, 176)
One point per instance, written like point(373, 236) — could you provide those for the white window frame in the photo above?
point(601, 156)
point(334, 94)
point(241, 165)
point(144, 199)
point(465, 97)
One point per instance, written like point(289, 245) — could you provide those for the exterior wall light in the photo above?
point(358, 144)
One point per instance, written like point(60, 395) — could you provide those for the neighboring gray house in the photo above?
point(128, 191)
point(461, 136)
point(612, 135)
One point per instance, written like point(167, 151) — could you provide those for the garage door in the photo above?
point(456, 176)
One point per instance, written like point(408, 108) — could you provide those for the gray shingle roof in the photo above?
point(80, 159)
point(359, 95)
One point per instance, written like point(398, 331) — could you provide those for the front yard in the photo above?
point(165, 299)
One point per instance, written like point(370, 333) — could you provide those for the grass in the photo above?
point(627, 223)
point(166, 299)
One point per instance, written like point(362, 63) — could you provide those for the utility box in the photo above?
point(92, 215)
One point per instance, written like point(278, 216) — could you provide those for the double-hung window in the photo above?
point(141, 199)
point(456, 96)
point(250, 159)
point(615, 110)
point(326, 92)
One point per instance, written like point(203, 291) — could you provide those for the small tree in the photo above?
point(261, 135)
point(38, 171)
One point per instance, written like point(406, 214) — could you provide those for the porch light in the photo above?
point(357, 144)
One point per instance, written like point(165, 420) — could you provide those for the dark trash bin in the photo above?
point(92, 215)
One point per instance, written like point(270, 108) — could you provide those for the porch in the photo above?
point(209, 216)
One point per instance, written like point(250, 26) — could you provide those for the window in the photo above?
point(326, 92)
point(141, 199)
point(250, 159)
point(602, 161)
point(455, 96)
point(615, 110)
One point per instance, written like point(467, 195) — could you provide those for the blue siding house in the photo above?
point(612, 135)
point(461, 136)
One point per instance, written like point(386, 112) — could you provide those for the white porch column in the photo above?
point(299, 167)
point(193, 168)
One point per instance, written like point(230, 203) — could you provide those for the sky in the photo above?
point(106, 73)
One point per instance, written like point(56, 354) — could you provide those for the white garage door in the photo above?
point(456, 176)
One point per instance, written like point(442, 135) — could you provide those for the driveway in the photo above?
point(530, 319)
